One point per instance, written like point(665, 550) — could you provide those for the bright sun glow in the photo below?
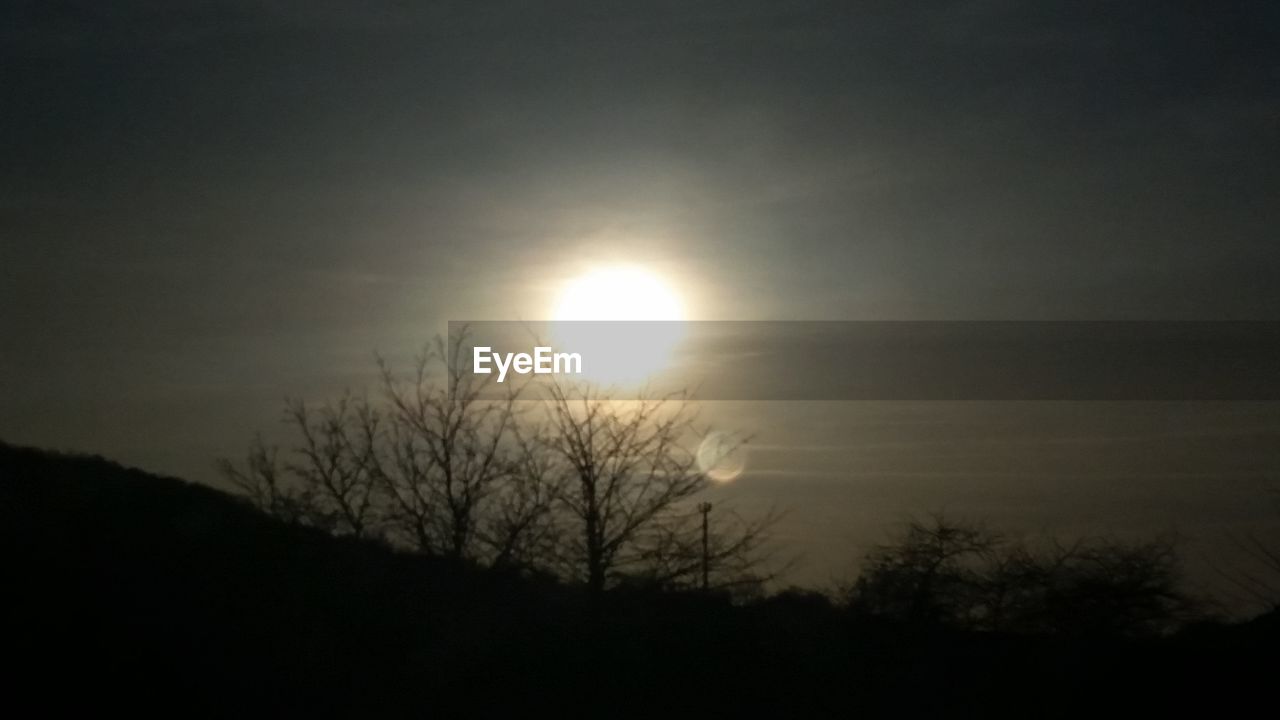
point(618, 353)
point(618, 293)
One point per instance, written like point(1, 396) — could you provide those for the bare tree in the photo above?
point(267, 485)
point(331, 482)
point(1105, 586)
point(942, 572)
point(582, 485)
point(336, 462)
point(459, 479)
point(520, 528)
point(929, 574)
point(627, 471)
point(403, 476)
point(629, 484)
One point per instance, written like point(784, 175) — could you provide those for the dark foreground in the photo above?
point(130, 591)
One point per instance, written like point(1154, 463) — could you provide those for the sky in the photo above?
point(205, 206)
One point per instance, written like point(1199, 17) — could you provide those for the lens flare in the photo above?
point(722, 457)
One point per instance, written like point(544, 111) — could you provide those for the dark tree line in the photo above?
point(579, 484)
point(941, 572)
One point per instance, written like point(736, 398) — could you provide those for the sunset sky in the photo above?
point(207, 206)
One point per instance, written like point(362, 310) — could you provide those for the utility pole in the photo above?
point(705, 509)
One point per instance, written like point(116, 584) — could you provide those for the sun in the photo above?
point(618, 293)
point(624, 321)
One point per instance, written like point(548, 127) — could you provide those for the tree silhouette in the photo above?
point(931, 574)
point(593, 488)
point(942, 572)
point(337, 461)
point(627, 471)
point(265, 484)
point(456, 472)
point(628, 479)
point(331, 484)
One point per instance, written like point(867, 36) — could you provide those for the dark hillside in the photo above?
point(128, 590)
point(134, 582)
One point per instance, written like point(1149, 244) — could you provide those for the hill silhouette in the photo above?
point(130, 590)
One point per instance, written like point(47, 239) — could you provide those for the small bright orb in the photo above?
point(721, 457)
point(618, 293)
point(624, 321)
